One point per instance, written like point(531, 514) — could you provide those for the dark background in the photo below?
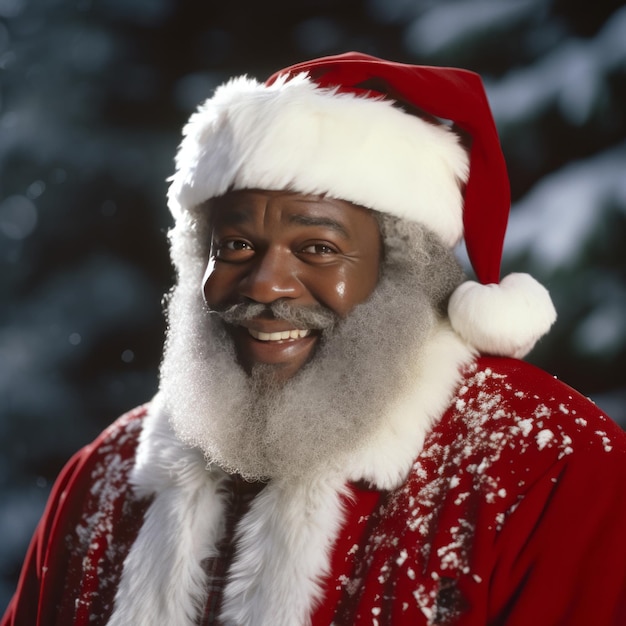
point(92, 98)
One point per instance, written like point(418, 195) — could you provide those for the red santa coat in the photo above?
point(514, 512)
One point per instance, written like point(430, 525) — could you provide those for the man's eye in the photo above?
point(232, 249)
point(319, 248)
point(236, 245)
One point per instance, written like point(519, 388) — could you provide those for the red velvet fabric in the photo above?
point(514, 513)
point(75, 559)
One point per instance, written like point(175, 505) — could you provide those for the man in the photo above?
point(343, 433)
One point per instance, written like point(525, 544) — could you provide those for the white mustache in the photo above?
point(306, 317)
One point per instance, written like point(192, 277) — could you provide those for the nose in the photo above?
point(271, 276)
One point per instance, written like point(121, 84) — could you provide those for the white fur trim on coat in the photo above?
point(386, 458)
point(163, 581)
point(283, 550)
point(294, 135)
point(283, 542)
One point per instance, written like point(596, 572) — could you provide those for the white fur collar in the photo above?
point(386, 458)
point(163, 581)
point(284, 540)
point(283, 548)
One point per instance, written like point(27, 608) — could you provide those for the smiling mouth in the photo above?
point(280, 335)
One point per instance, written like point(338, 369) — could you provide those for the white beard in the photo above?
point(247, 424)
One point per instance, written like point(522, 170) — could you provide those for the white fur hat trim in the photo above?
point(295, 135)
point(504, 319)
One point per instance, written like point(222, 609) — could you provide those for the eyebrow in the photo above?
point(324, 222)
point(234, 217)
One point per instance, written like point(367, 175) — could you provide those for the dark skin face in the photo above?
point(308, 249)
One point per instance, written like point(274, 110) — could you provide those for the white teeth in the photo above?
point(285, 334)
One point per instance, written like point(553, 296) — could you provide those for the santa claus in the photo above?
point(344, 433)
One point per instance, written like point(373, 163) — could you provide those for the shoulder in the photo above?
point(94, 485)
point(108, 459)
point(120, 437)
point(521, 478)
point(511, 426)
point(527, 425)
point(523, 401)
point(87, 496)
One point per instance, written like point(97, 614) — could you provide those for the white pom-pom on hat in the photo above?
point(504, 319)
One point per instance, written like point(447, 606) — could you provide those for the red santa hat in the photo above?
point(382, 135)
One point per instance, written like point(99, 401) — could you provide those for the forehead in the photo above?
point(248, 207)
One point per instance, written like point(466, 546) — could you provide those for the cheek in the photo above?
point(349, 288)
point(213, 286)
point(361, 282)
